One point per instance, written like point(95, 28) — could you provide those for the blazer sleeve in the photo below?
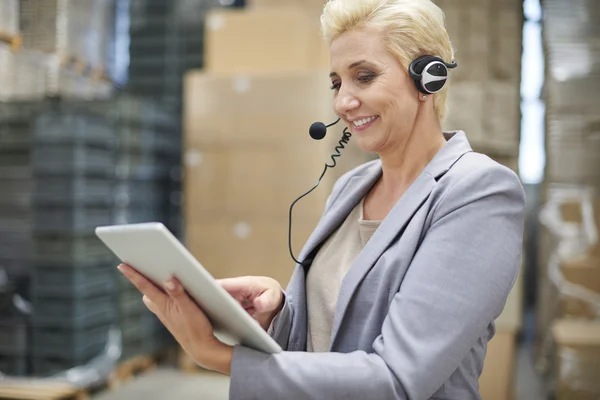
point(456, 285)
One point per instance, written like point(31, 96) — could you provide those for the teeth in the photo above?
point(361, 122)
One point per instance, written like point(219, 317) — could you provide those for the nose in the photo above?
point(345, 102)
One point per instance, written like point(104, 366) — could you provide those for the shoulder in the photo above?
point(476, 176)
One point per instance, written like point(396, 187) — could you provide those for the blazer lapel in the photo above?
point(394, 223)
point(356, 188)
point(396, 220)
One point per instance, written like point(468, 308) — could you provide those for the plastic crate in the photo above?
point(132, 327)
point(47, 366)
point(130, 303)
point(76, 219)
point(68, 124)
point(134, 348)
point(13, 365)
point(70, 343)
point(72, 282)
point(15, 158)
point(68, 190)
point(69, 250)
point(134, 192)
point(75, 313)
point(13, 338)
point(16, 192)
point(72, 160)
point(135, 215)
point(15, 244)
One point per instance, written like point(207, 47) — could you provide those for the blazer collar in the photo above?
point(359, 185)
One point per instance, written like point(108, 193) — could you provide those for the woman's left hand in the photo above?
point(184, 319)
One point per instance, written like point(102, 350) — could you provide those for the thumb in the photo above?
point(266, 302)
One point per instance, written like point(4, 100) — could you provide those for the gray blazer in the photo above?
point(417, 308)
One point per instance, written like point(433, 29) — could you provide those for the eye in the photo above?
point(335, 85)
point(366, 77)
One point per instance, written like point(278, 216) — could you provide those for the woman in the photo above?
point(414, 256)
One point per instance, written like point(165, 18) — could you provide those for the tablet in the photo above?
point(152, 250)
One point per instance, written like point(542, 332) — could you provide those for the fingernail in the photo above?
point(169, 285)
point(120, 267)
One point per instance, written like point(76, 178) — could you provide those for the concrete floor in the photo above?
point(167, 383)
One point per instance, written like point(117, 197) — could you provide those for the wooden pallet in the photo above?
point(129, 369)
point(83, 68)
point(15, 41)
point(41, 391)
point(186, 363)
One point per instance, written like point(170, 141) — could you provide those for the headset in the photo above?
point(429, 73)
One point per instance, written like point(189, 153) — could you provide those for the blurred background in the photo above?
point(195, 113)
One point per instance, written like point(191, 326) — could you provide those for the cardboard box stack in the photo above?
point(248, 153)
point(570, 249)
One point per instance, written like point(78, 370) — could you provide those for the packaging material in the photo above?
point(69, 28)
point(22, 74)
point(570, 279)
point(263, 41)
point(577, 358)
point(496, 381)
point(9, 17)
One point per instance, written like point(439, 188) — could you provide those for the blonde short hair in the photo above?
point(410, 28)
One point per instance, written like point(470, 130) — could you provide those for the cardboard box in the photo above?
point(496, 381)
point(314, 7)
point(511, 318)
point(256, 108)
point(230, 247)
point(577, 359)
point(274, 40)
point(261, 181)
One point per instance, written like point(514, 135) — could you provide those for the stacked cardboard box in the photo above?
point(570, 253)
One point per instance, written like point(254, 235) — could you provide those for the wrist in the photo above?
point(216, 356)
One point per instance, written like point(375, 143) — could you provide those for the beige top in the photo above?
point(327, 271)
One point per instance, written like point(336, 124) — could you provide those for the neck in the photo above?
point(403, 163)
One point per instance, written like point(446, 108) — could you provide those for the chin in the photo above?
point(366, 144)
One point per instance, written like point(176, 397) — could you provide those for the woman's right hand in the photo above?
point(261, 297)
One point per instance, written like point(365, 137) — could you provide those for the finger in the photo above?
point(146, 287)
point(234, 285)
point(150, 304)
point(179, 295)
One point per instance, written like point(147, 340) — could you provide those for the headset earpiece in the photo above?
point(429, 73)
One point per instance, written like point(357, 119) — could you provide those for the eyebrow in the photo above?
point(353, 65)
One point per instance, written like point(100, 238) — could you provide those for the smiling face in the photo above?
point(373, 93)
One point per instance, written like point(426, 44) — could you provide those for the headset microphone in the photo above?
point(317, 131)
